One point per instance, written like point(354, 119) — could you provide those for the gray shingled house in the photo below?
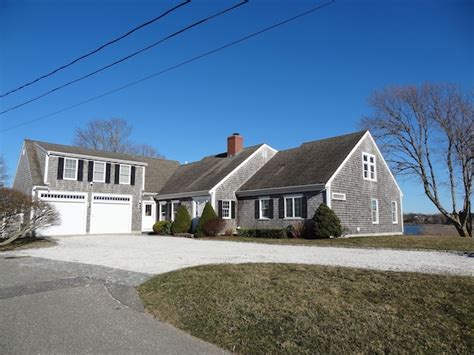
point(253, 187)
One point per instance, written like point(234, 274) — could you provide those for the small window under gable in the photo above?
point(369, 166)
point(374, 207)
point(394, 208)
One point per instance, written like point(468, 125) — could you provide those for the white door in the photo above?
point(148, 215)
point(111, 213)
point(72, 209)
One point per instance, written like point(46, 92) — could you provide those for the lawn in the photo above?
point(25, 243)
point(395, 242)
point(286, 308)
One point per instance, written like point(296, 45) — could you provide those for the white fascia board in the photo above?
point(97, 158)
point(281, 190)
point(46, 168)
point(366, 134)
point(181, 195)
point(213, 190)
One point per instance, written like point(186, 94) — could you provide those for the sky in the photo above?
point(307, 80)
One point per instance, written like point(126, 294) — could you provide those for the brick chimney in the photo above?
point(235, 144)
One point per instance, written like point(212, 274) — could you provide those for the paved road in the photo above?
point(154, 255)
point(54, 307)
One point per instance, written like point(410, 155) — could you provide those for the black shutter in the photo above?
point(257, 209)
point(219, 208)
point(80, 170)
point(304, 207)
point(168, 211)
point(132, 176)
point(60, 168)
point(117, 174)
point(232, 209)
point(281, 208)
point(108, 167)
point(270, 205)
point(90, 171)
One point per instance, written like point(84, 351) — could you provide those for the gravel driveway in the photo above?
point(155, 255)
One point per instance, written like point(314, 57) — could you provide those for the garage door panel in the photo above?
point(111, 214)
point(72, 209)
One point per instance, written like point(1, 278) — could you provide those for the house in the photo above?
point(249, 187)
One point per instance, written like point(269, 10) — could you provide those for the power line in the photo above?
point(97, 49)
point(176, 66)
point(124, 58)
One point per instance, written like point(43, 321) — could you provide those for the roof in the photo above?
point(158, 172)
point(69, 149)
point(36, 171)
point(311, 163)
point(206, 173)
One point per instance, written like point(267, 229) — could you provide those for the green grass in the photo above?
point(26, 243)
point(395, 242)
point(285, 308)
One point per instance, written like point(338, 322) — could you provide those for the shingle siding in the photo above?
point(99, 187)
point(23, 181)
point(226, 190)
point(246, 212)
point(355, 211)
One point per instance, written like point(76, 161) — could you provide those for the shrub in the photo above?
point(162, 228)
point(229, 232)
point(212, 227)
point(182, 222)
point(207, 214)
point(271, 233)
point(326, 223)
point(296, 230)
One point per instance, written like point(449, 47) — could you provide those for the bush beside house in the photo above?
point(182, 222)
point(212, 227)
point(271, 233)
point(162, 228)
point(326, 223)
point(207, 214)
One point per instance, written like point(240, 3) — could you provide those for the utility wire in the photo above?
point(97, 49)
point(124, 58)
point(176, 66)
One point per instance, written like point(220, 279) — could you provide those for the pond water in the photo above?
point(413, 229)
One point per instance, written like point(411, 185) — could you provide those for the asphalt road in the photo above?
point(55, 307)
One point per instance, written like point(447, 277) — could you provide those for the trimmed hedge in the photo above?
point(162, 228)
point(207, 214)
point(212, 227)
point(326, 223)
point(271, 233)
point(182, 222)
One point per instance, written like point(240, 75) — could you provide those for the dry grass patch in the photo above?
point(285, 308)
point(395, 242)
point(26, 243)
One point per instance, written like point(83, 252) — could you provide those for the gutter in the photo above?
point(279, 190)
point(181, 195)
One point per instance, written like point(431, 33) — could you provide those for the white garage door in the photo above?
point(111, 214)
point(72, 208)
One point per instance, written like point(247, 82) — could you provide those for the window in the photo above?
point(374, 206)
point(264, 208)
point(162, 211)
point(124, 177)
point(294, 207)
point(370, 172)
point(226, 209)
point(394, 212)
point(338, 196)
point(147, 209)
point(70, 169)
point(99, 172)
point(174, 209)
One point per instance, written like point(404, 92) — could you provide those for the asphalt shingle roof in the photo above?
point(311, 163)
point(206, 173)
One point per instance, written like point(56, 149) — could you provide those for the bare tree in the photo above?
point(111, 135)
point(3, 171)
point(20, 215)
point(427, 133)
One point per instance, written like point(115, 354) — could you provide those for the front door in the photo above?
point(198, 206)
point(148, 215)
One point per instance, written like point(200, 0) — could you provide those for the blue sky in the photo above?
point(306, 80)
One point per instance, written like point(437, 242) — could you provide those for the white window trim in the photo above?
point(260, 216)
point(341, 198)
point(145, 204)
point(230, 209)
point(396, 212)
point(129, 174)
point(172, 209)
point(371, 211)
point(93, 171)
point(284, 201)
point(64, 169)
point(160, 210)
point(368, 165)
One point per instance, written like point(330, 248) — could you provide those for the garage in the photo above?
point(72, 208)
point(111, 213)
